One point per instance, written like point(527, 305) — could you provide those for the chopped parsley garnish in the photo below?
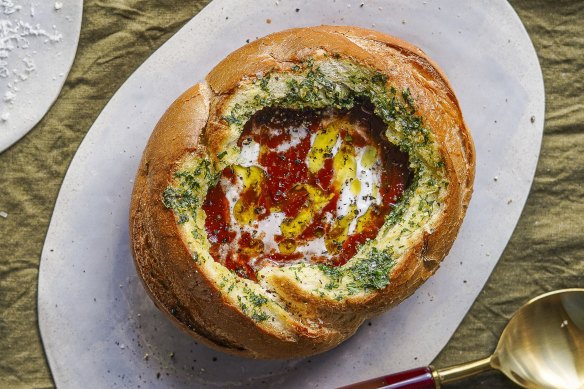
point(256, 299)
point(373, 273)
point(260, 316)
point(365, 275)
point(186, 196)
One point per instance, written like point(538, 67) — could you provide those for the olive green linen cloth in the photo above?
point(545, 253)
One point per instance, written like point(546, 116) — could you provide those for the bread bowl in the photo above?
point(314, 179)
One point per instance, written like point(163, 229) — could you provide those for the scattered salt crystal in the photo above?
point(20, 36)
point(9, 96)
point(3, 214)
point(8, 7)
point(29, 65)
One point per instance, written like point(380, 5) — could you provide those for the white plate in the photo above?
point(38, 41)
point(97, 323)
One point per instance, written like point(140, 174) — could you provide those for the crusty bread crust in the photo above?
point(192, 125)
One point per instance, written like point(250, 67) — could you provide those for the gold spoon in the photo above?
point(542, 346)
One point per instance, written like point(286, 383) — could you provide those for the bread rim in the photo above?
point(191, 289)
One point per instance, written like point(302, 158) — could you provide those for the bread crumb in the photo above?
point(269, 21)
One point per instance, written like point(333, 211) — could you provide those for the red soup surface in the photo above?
point(309, 186)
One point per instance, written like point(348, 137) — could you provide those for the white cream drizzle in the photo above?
point(267, 229)
point(296, 136)
point(250, 152)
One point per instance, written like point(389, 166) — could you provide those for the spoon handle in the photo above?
point(425, 377)
point(419, 378)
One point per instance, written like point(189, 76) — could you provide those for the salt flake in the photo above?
point(18, 33)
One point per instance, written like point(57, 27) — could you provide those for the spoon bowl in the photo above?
point(542, 346)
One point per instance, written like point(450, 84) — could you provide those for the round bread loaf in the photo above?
point(198, 194)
